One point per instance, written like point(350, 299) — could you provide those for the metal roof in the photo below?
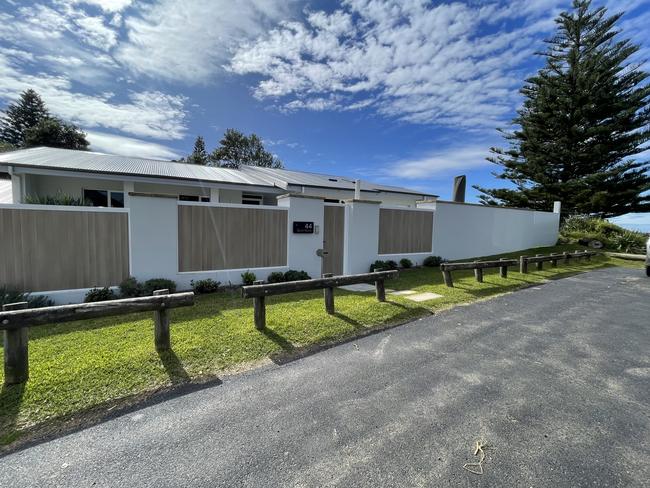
point(92, 162)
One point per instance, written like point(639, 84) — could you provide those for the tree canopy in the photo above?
point(585, 114)
point(235, 149)
point(199, 154)
point(28, 123)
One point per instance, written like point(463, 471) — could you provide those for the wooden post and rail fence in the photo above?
point(259, 291)
point(478, 267)
point(539, 259)
point(16, 319)
point(503, 263)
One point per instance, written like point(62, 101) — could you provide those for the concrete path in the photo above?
point(556, 379)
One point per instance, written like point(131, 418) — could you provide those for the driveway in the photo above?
point(555, 379)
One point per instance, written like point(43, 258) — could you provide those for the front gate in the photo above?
point(333, 239)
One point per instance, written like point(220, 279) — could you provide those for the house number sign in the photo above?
point(303, 227)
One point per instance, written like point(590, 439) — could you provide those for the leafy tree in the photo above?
point(236, 149)
point(5, 146)
point(28, 123)
point(18, 117)
point(585, 114)
point(53, 132)
point(199, 154)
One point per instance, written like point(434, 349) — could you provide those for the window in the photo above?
point(332, 200)
point(188, 198)
point(193, 198)
point(117, 199)
point(104, 198)
point(96, 198)
point(251, 199)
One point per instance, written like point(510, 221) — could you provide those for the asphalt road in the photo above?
point(556, 379)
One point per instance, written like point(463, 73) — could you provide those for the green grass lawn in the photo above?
point(80, 365)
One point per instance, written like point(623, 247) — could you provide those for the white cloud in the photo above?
point(189, 41)
point(440, 162)
point(411, 60)
point(128, 146)
point(145, 114)
point(106, 5)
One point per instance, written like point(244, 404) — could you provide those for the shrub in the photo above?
point(10, 295)
point(378, 266)
point(627, 241)
point(248, 277)
point(406, 263)
point(391, 264)
point(130, 288)
point(432, 261)
point(582, 228)
point(293, 275)
point(158, 284)
point(276, 277)
point(59, 199)
point(207, 285)
point(99, 295)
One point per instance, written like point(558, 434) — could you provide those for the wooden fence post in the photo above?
point(540, 264)
point(381, 290)
point(161, 322)
point(446, 276)
point(588, 256)
point(567, 257)
point(478, 273)
point(523, 265)
point(328, 295)
point(16, 350)
point(554, 261)
point(259, 309)
point(503, 270)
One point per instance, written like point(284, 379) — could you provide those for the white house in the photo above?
point(105, 180)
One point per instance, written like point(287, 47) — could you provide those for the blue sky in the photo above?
point(403, 92)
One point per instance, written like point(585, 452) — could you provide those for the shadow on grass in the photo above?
point(11, 398)
point(281, 341)
point(360, 331)
point(174, 368)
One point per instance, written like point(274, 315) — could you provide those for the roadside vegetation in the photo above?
point(592, 231)
point(97, 364)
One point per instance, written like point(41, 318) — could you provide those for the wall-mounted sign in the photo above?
point(303, 227)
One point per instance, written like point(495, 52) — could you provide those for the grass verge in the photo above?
point(83, 365)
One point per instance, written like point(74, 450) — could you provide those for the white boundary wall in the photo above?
point(459, 231)
point(462, 230)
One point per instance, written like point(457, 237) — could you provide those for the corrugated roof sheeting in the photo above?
point(65, 159)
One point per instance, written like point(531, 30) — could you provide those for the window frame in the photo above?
point(108, 197)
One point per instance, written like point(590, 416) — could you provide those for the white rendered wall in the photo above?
point(467, 230)
point(361, 236)
point(302, 247)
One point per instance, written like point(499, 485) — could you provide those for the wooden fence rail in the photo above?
point(540, 259)
point(260, 291)
point(478, 267)
point(15, 319)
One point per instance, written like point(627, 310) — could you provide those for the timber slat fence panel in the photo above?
point(477, 266)
point(15, 320)
point(215, 238)
point(62, 249)
point(405, 231)
point(260, 291)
